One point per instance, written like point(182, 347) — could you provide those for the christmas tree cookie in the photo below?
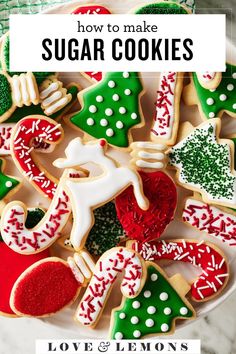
point(155, 309)
point(8, 184)
point(162, 8)
point(204, 163)
point(110, 108)
point(213, 103)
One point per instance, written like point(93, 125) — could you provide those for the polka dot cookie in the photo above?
point(213, 102)
point(154, 310)
point(110, 108)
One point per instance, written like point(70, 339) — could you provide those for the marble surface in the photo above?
point(217, 332)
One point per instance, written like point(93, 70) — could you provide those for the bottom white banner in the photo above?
point(163, 346)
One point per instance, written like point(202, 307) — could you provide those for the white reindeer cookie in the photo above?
point(87, 194)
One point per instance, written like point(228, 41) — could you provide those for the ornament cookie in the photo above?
point(87, 194)
point(148, 156)
point(205, 164)
point(38, 292)
point(87, 9)
point(218, 222)
point(25, 131)
point(213, 103)
point(147, 225)
point(205, 255)
point(109, 265)
point(155, 309)
point(110, 108)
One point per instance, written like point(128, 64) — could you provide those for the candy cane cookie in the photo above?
point(111, 263)
point(217, 222)
point(50, 285)
point(212, 261)
point(91, 9)
point(166, 118)
point(25, 131)
point(148, 155)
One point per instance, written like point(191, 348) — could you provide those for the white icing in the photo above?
point(77, 274)
point(223, 97)
point(24, 89)
point(90, 121)
point(151, 155)
point(183, 311)
point(136, 304)
point(151, 310)
point(119, 124)
point(108, 112)
point(103, 122)
point(115, 97)
point(125, 74)
point(53, 98)
point(146, 164)
point(122, 110)
point(92, 109)
point(210, 101)
point(5, 138)
point(134, 320)
point(109, 132)
point(137, 334)
point(147, 294)
point(111, 84)
point(149, 323)
point(82, 266)
point(230, 87)
point(127, 92)
point(134, 115)
point(165, 113)
point(154, 277)
point(163, 296)
point(88, 193)
point(167, 311)
point(164, 327)
point(212, 115)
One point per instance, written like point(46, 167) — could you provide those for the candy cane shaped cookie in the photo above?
point(94, 76)
point(147, 155)
point(215, 221)
point(25, 131)
point(50, 285)
point(166, 119)
point(215, 271)
point(110, 264)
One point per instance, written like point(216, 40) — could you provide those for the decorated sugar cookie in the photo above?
point(212, 261)
point(8, 185)
point(166, 118)
point(38, 292)
point(109, 265)
point(148, 156)
point(218, 222)
point(147, 225)
point(213, 103)
point(155, 309)
point(13, 264)
point(87, 194)
point(110, 108)
point(209, 80)
point(87, 9)
point(25, 131)
point(204, 164)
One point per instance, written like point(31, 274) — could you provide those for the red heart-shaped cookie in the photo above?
point(147, 225)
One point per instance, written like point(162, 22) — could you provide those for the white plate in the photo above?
point(65, 318)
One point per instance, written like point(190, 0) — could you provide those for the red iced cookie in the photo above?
point(45, 288)
point(12, 265)
point(92, 10)
point(147, 225)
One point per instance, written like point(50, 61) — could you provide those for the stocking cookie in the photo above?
point(109, 265)
point(204, 164)
point(150, 224)
point(218, 222)
point(110, 108)
point(38, 292)
point(88, 194)
point(155, 309)
point(23, 134)
point(213, 103)
point(215, 270)
point(93, 76)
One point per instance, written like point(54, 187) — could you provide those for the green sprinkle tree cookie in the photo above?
point(110, 108)
point(213, 103)
point(155, 309)
point(204, 164)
